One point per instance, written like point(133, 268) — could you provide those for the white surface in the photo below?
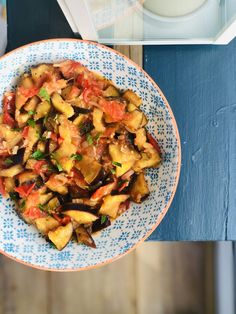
point(172, 8)
point(225, 289)
point(212, 23)
point(3, 34)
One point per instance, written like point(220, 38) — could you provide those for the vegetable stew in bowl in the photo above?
point(73, 151)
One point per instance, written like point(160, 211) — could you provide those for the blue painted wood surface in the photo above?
point(200, 84)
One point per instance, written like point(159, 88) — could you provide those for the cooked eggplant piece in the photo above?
point(62, 106)
point(42, 110)
point(39, 71)
point(44, 198)
point(79, 111)
point(111, 91)
point(77, 192)
point(51, 123)
point(80, 216)
point(9, 184)
point(139, 190)
point(63, 156)
point(57, 183)
point(101, 223)
point(27, 177)
point(84, 237)
point(134, 122)
point(32, 104)
point(133, 98)
point(97, 120)
point(70, 92)
point(46, 224)
point(26, 82)
point(131, 107)
point(140, 138)
point(111, 204)
point(33, 137)
point(61, 236)
point(11, 137)
point(85, 126)
point(79, 207)
point(123, 158)
point(12, 171)
point(90, 172)
point(52, 204)
point(18, 158)
point(150, 158)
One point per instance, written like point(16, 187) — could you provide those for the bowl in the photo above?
point(23, 243)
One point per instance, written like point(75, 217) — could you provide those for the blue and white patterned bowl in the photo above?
point(22, 242)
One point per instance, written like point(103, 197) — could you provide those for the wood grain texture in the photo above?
point(22, 289)
point(157, 278)
point(200, 85)
point(110, 289)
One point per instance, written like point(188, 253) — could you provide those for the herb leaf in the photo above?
point(22, 205)
point(76, 157)
point(89, 139)
point(44, 94)
point(118, 164)
point(59, 167)
point(8, 161)
point(31, 112)
point(38, 155)
point(113, 171)
point(97, 136)
point(40, 206)
point(14, 196)
point(31, 122)
point(103, 219)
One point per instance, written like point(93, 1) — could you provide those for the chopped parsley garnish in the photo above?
point(118, 164)
point(113, 171)
point(31, 122)
point(103, 219)
point(77, 157)
point(38, 155)
point(43, 138)
point(8, 161)
point(44, 94)
point(31, 112)
point(14, 196)
point(97, 136)
point(59, 167)
point(41, 207)
point(45, 119)
point(22, 205)
point(89, 139)
point(17, 129)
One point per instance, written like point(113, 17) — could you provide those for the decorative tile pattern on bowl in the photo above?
point(23, 242)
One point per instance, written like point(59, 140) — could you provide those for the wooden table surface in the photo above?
point(200, 84)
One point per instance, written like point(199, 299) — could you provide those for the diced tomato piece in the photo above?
point(60, 140)
point(63, 221)
point(28, 92)
point(103, 191)
point(89, 92)
point(53, 136)
point(25, 189)
point(9, 103)
point(34, 213)
point(69, 68)
point(38, 166)
point(123, 186)
point(109, 132)
point(114, 109)
point(7, 119)
point(2, 187)
point(25, 132)
point(153, 142)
